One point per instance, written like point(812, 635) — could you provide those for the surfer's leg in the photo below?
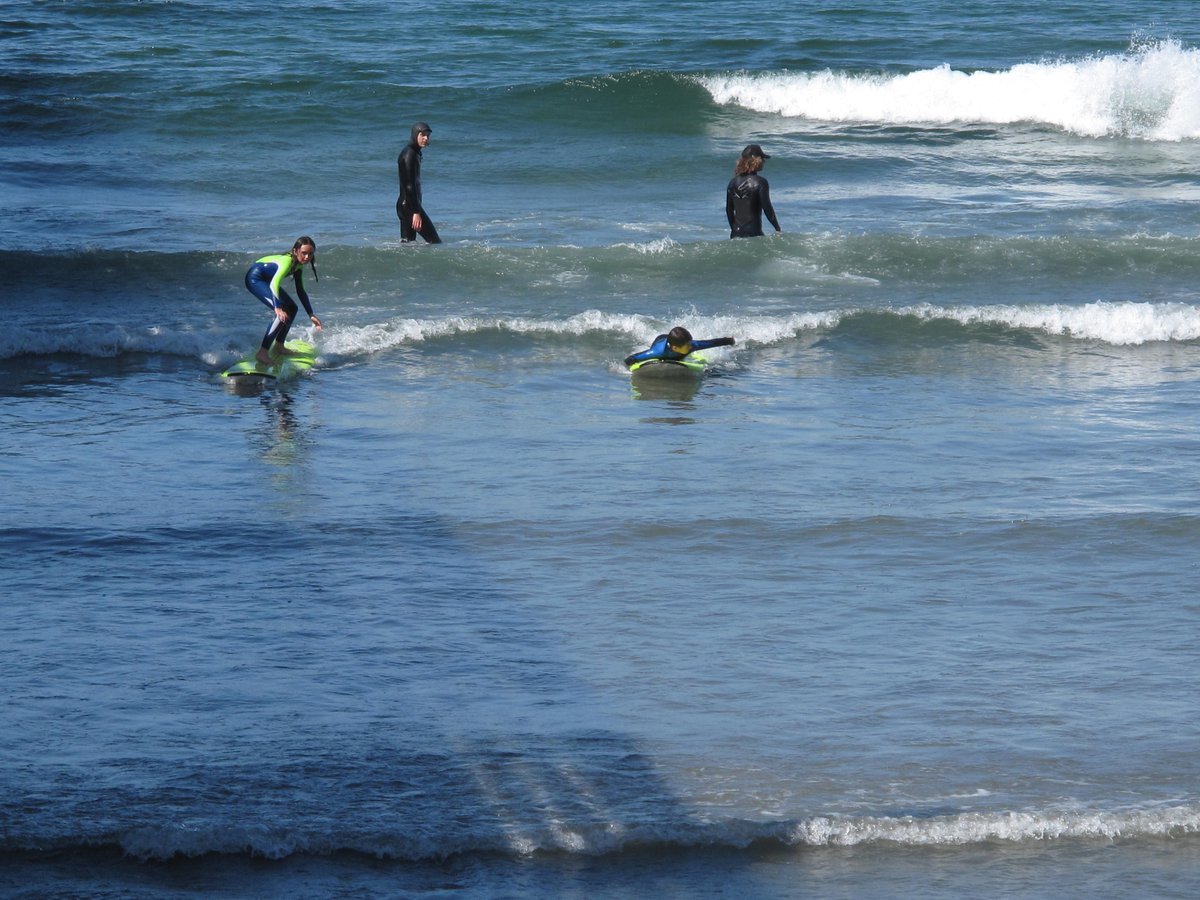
point(280, 327)
point(428, 231)
point(261, 289)
point(407, 234)
point(264, 352)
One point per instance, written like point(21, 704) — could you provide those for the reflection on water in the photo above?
point(682, 389)
point(282, 443)
point(283, 449)
point(669, 420)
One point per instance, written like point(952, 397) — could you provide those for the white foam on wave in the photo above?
point(1151, 93)
point(1117, 323)
point(594, 836)
point(760, 329)
point(972, 828)
point(1125, 323)
point(653, 248)
point(398, 332)
point(105, 340)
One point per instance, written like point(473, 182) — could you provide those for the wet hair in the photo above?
point(748, 165)
point(312, 260)
point(678, 336)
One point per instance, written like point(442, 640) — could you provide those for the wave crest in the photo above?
point(602, 838)
point(1150, 93)
point(1116, 324)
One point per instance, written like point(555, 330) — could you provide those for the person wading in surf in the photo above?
point(748, 197)
point(413, 219)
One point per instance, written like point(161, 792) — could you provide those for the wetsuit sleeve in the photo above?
point(767, 208)
point(301, 293)
point(714, 342)
point(655, 351)
point(729, 203)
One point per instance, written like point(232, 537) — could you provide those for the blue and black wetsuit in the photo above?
point(264, 280)
point(661, 349)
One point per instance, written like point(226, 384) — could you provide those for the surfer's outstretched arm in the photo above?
point(714, 342)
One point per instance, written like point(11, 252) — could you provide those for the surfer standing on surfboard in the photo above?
point(676, 344)
point(264, 280)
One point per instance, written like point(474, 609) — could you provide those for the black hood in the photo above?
point(418, 129)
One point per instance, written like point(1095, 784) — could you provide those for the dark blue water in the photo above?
point(897, 598)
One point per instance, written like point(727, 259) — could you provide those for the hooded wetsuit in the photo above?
point(264, 280)
point(746, 200)
point(661, 349)
point(409, 201)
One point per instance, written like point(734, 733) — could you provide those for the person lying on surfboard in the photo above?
point(264, 280)
point(676, 344)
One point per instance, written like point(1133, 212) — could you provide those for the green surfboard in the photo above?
point(282, 368)
point(691, 366)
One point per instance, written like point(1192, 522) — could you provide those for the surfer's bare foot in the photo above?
point(263, 357)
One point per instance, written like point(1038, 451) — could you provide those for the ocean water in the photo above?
point(898, 599)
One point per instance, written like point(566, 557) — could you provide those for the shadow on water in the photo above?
point(393, 717)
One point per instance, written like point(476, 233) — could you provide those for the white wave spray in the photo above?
point(1150, 93)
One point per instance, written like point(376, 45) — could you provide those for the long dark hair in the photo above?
point(312, 260)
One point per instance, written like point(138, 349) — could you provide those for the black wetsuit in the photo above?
point(747, 199)
point(409, 201)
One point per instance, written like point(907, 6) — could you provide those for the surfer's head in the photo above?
point(421, 130)
point(751, 160)
point(748, 165)
point(305, 251)
point(679, 339)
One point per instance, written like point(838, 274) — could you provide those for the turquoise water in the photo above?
point(897, 599)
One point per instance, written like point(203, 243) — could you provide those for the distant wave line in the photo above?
point(1119, 324)
point(1150, 93)
point(609, 838)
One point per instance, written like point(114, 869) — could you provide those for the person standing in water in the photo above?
point(264, 280)
point(748, 197)
point(413, 220)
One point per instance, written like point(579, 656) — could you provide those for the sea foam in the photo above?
point(1149, 93)
point(1116, 323)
